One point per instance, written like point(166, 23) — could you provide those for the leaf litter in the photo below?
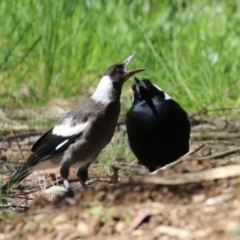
point(197, 197)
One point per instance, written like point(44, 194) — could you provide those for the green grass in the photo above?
point(117, 148)
point(59, 48)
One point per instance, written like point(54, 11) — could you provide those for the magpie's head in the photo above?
point(110, 85)
point(118, 72)
point(144, 88)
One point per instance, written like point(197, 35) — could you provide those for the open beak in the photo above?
point(128, 74)
point(139, 84)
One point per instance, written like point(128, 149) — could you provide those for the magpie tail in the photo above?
point(19, 175)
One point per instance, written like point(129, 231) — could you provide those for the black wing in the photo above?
point(49, 144)
point(46, 147)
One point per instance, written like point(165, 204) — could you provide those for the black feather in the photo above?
point(46, 145)
point(158, 129)
point(43, 149)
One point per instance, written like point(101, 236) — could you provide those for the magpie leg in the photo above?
point(83, 175)
point(64, 172)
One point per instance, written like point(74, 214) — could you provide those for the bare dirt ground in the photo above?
point(198, 198)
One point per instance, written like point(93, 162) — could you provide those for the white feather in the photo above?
point(103, 93)
point(167, 97)
point(66, 129)
point(61, 144)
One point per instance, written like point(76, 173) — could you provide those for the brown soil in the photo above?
point(131, 209)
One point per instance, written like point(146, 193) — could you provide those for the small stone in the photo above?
point(137, 232)
point(198, 198)
point(83, 229)
point(173, 232)
point(119, 227)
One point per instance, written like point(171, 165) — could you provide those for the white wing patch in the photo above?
point(103, 93)
point(67, 130)
point(61, 144)
point(167, 97)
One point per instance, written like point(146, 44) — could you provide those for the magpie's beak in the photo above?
point(128, 74)
point(140, 84)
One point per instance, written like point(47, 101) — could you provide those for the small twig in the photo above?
point(13, 206)
point(180, 159)
point(23, 135)
point(19, 197)
point(176, 179)
point(214, 135)
point(221, 154)
point(137, 220)
point(196, 149)
point(213, 157)
point(18, 145)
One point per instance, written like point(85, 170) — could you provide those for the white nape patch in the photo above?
point(61, 144)
point(103, 93)
point(167, 97)
point(67, 130)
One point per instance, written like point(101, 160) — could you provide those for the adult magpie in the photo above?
point(157, 126)
point(81, 133)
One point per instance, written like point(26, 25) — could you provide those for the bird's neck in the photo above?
point(147, 100)
point(106, 92)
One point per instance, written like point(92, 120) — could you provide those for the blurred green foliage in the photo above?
point(52, 49)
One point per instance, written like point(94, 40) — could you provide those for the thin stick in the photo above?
point(221, 154)
point(18, 145)
point(180, 159)
point(206, 175)
point(214, 135)
point(24, 197)
point(14, 206)
point(196, 149)
point(23, 135)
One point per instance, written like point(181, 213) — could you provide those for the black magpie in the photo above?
point(157, 126)
point(81, 133)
